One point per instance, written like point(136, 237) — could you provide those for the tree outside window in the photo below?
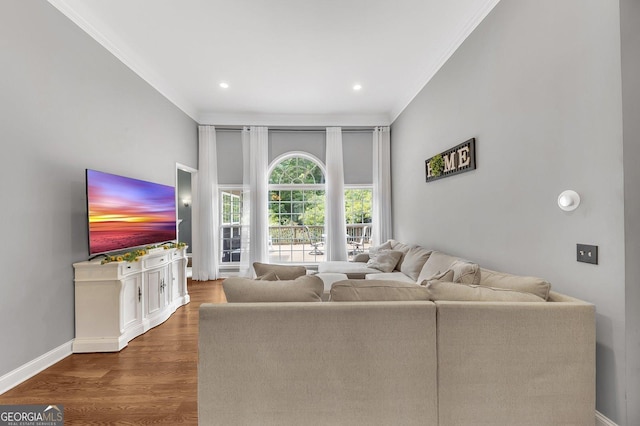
point(297, 209)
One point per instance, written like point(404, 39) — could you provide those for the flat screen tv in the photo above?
point(126, 213)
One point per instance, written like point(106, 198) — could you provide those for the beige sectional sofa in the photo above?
point(416, 358)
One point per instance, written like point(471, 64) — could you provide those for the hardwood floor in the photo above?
point(151, 381)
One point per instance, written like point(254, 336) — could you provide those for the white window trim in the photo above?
point(292, 154)
point(227, 266)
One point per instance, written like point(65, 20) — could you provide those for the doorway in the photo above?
point(185, 176)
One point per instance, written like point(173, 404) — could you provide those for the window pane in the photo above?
point(296, 170)
point(230, 216)
point(358, 207)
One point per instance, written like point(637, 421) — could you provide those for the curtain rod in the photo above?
point(281, 129)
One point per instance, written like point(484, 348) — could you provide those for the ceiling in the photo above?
point(287, 62)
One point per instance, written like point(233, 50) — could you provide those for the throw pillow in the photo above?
point(413, 261)
point(307, 288)
point(463, 270)
point(533, 285)
point(446, 276)
point(269, 276)
point(466, 272)
point(376, 291)
point(398, 246)
point(284, 272)
point(440, 290)
point(385, 260)
point(376, 249)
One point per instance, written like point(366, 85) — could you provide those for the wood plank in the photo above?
point(151, 381)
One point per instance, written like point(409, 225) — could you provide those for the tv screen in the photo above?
point(125, 213)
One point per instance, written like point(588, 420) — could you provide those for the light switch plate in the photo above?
point(587, 253)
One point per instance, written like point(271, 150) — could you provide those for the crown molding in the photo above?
point(239, 119)
point(454, 45)
point(110, 42)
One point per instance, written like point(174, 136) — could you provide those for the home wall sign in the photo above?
point(459, 159)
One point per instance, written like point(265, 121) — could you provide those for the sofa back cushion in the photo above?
point(307, 288)
point(533, 285)
point(375, 249)
point(397, 245)
point(446, 276)
point(413, 261)
point(269, 276)
point(440, 290)
point(283, 272)
point(463, 271)
point(384, 260)
point(376, 291)
point(404, 248)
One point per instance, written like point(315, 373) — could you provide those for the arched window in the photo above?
point(296, 208)
point(296, 169)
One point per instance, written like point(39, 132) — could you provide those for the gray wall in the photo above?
point(229, 150)
point(538, 84)
point(630, 48)
point(357, 153)
point(66, 104)
point(281, 142)
point(357, 150)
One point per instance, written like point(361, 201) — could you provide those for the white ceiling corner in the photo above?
point(288, 62)
point(120, 50)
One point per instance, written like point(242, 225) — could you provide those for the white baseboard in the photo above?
point(30, 369)
point(602, 420)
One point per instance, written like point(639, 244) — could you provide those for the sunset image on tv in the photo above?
point(125, 212)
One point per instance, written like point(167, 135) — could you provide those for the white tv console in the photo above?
point(118, 301)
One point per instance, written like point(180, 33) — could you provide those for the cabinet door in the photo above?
point(153, 282)
point(130, 304)
point(176, 279)
point(165, 288)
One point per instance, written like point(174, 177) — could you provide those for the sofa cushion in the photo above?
point(307, 288)
point(441, 290)
point(463, 271)
point(328, 278)
point(361, 257)
point(466, 272)
point(384, 246)
point(413, 261)
point(533, 285)
point(398, 246)
point(391, 276)
point(284, 272)
point(353, 270)
point(376, 290)
point(446, 276)
point(384, 260)
point(269, 276)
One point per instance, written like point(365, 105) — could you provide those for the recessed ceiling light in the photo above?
point(357, 87)
point(224, 85)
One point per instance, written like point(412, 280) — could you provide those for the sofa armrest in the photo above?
point(361, 257)
point(332, 363)
point(516, 363)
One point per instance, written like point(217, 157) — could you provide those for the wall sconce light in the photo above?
point(568, 200)
point(186, 202)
